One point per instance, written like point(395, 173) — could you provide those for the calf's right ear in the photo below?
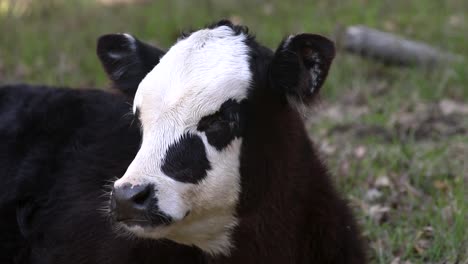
point(127, 60)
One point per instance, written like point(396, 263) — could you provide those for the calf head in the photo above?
point(184, 183)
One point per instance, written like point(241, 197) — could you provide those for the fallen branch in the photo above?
point(390, 48)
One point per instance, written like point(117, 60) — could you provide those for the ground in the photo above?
point(395, 138)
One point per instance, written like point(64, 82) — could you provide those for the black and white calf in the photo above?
point(225, 163)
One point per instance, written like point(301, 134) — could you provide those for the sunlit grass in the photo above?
point(14, 7)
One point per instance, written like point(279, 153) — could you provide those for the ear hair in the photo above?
point(300, 66)
point(126, 60)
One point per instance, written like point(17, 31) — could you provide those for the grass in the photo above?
point(418, 168)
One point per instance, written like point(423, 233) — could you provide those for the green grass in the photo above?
point(53, 42)
point(420, 167)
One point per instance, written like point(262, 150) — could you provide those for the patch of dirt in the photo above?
point(432, 121)
point(363, 130)
point(429, 121)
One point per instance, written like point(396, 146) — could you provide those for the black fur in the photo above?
point(289, 209)
point(223, 126)
point(127, 61)
point(186, 160)
point(59, 148)
point(237, 29)
point(300, 66)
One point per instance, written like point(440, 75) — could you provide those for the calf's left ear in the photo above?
point(300, 66)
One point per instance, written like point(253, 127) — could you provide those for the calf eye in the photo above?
point(214, 123)
point(224, 125)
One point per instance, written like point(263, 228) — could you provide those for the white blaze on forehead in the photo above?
point(201, 72)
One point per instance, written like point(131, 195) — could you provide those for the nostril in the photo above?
point(143, 196)
point(131, 201)
point(132, 196)
point(137, 205)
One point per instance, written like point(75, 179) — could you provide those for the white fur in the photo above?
point(288, 41)
point(195, 77)
point(315, 71)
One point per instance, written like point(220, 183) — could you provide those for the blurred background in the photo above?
point(395, 137)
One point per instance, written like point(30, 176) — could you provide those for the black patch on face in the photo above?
point(225, 125)
point(186, 160)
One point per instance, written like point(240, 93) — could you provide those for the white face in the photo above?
point(190, 152)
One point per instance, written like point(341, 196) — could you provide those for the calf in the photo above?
point(226, 164)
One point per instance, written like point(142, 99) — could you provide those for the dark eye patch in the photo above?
point(186, 160)
point(225, 125)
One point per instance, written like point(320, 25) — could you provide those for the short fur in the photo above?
point(59, 149)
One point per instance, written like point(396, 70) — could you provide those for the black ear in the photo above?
point(127, 60)
point(300, 66)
